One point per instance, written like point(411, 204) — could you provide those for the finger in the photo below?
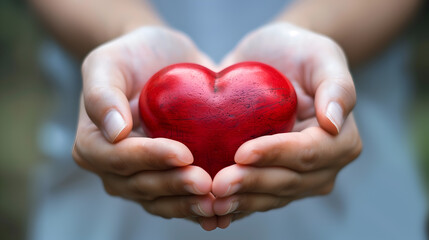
point(276, 181)
point(149, 185)
point(332, 85)
point(248, 203)
point(93, 152)
point(129, 156)
point(180, 206)
point(305, 151)
point(105, 91)
point(224, 221)
point(208, 223)
point(133, 155)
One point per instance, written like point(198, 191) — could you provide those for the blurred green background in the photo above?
point(25, 101)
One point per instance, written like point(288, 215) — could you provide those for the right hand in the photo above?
point(271, 171)
point(110, 142)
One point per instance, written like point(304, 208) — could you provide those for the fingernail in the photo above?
point(192, 188)
point(334, 113)
point(232, 188)
point(232, 207)
point(113, 125)
point(196, 208)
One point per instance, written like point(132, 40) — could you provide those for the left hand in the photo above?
point(272, 171)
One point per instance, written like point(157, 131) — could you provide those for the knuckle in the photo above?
point(165, 216)
point(245, 204)
point(173, 186)
point(158, 209)
point(78, 158)
point(349, 89)
point(147, 197)
point(269, 204)
point(119, 166)
point(147, 207)
point(357, 149)
point(184, 208)
point(265, 208)
point(153, 209)
point(273, 154)
point(94, 95)
point(141, 189)
point(343, 83)
point(109, 190)
point(144, 149)
point(354, 151)
point(327, 189)
point(308, 158)
point(280, 202)
point(289, 184)
point(251, 180)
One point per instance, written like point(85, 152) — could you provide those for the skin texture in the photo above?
point(214, 113)
point(319, 147)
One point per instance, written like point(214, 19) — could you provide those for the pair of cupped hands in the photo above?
point(270, 171)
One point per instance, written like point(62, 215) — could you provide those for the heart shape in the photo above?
point(214, 113)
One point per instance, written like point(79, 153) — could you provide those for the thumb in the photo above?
point(332, 86)
point(334, 100)
point(104, 88)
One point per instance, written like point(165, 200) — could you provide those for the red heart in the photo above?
point(214, 113)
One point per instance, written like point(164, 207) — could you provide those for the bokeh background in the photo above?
point(25, 102)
